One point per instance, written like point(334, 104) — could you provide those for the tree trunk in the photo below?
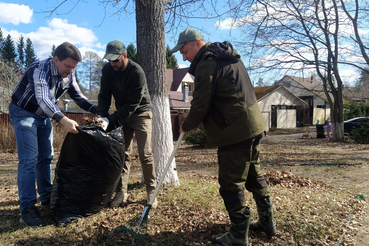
point(151, 57)
point(337, 124)
point(337, 112)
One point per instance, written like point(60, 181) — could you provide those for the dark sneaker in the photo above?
point(31, 217)
point(118, 199)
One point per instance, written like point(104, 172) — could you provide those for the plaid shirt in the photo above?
point(41, 87)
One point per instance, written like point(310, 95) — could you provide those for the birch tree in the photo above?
point(90, 71)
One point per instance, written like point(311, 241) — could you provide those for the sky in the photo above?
point(90, 28)
point(86, 26)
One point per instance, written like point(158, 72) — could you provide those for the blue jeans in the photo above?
point(34, 135)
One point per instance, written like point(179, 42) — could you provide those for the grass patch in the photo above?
point(189, 214)
point(307, 212)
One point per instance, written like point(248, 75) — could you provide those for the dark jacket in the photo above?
point(129, 89)
point(224, 98)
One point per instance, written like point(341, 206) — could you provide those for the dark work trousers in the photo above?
point(239, 168)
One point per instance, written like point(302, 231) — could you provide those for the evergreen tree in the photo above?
point(1, 42)
point(52, 51)
point(171, 59)
point(364, 77)
point(8, 52)
point(131, 52)
point(30, 53)
point(20, 50)
point(260, 82)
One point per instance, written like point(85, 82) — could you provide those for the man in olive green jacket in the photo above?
point(125, 81)
point(224, 101)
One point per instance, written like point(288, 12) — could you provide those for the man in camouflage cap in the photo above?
point(224, 101)
point(125, 81)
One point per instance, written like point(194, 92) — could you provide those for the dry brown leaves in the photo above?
point(306, 211)
point(290, 180)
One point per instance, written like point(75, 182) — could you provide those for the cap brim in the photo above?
point(177, 47)
point(111, 57)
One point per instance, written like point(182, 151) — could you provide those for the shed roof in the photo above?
point(264, 91)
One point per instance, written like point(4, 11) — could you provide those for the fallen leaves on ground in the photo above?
point(306, 211)
point(290, 180)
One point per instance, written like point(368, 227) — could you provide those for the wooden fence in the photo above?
point(8, 142)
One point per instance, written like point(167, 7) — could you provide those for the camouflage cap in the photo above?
point(187, 36)
point(114, 49)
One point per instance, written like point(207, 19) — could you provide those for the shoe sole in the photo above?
point(24, 223)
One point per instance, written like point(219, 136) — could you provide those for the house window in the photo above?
point(320, 106)
point(287, 83)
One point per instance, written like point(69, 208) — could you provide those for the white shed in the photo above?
point(280, 108)
point(312, 92)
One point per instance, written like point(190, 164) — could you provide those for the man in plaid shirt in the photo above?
point(32, 106)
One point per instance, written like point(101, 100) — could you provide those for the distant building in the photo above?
point(280, 107)
point(312, 92)
point(180, 88)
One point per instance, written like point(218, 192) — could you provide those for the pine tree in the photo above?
point(8, 52)
point(20, 50)
point(131, 52)
point(364, 77)
point(171, 59)
point(30, 53)
point(1, 42)
point(52, 51)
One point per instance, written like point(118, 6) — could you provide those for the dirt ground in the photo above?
point(342, 165)
point(330, 166)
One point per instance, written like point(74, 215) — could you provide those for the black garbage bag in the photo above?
point(86, 173)
point(320, 133)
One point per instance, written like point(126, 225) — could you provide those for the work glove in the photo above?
point(104, 122)
point(112, 126)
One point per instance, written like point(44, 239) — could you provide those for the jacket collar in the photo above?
point(197, 58)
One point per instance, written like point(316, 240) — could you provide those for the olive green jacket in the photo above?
point(129, 89)
point(224, 98)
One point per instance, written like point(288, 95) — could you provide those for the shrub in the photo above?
point(198, 138)
point(361, 135)
point(352, 110)
point(7, 136)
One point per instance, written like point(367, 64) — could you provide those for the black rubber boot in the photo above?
point(238, 234)
point(265, 222)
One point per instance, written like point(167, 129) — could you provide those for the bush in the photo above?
point(198, 138)
point(361, 135)
point(7, 136)
point(352, 110)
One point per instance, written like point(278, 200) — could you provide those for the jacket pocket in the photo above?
point(216, 114)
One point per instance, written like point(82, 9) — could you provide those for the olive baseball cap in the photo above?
point(114, 49)
point(187, 36)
